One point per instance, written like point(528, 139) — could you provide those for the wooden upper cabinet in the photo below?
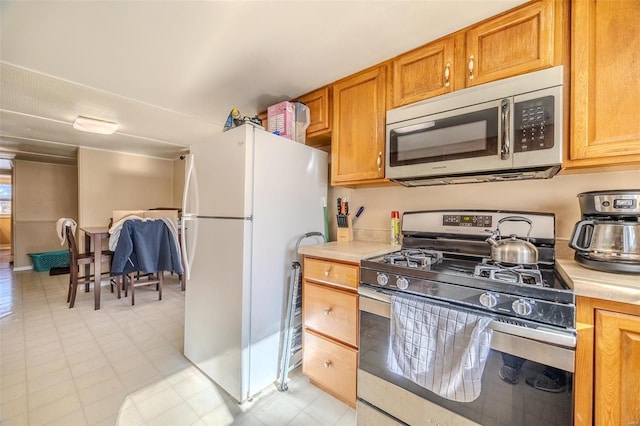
point(423, 72)
point(605, 83)
point(263, 116)
point(512, 43)
point(357, 143)
point(319, 103)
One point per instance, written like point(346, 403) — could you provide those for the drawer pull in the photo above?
point(327, 272)
point(327, 311)
point(327, 364)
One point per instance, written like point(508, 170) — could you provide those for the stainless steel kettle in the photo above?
point(512, 250)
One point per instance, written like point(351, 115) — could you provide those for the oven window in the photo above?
point(515, 391)
point(464, 136)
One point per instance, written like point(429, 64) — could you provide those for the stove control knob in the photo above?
point(383, 279)
point(488, 300)
point(402, 283)
point(522, 307)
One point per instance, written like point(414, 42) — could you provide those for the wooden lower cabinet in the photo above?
point(330, 324)
point(330, 312)
point(331, 366)
point(607, 378)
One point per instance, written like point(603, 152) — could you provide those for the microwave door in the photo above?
point(461, 140)
point(538, 133)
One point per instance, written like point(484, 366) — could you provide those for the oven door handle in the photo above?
point(545, 346)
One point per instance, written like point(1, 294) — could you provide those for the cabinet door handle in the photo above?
point(471, 58)
point(327, 311)
point(447, 72)
point(327, 364)
point(379, 161)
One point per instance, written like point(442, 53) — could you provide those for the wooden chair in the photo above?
point(172, 215)
point(131, 281)
point(149, 240)
point(77, 259)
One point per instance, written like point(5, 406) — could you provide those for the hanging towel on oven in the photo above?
point(441, 349)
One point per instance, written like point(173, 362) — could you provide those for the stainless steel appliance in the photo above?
point(608, 236)
point(507, 130)
point(445, 260)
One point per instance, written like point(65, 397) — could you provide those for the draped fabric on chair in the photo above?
point(147, 246)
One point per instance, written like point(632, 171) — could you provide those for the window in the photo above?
point(5, 198)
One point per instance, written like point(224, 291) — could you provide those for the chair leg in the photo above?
point(70, 286)
point(73, 286)
point(160, 279)
point(118, 286)
point(133, 289)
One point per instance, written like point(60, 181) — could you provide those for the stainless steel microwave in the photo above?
point(506, 130)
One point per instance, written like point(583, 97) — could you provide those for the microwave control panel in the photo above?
point(533, 122)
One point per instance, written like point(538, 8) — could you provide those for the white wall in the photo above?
point(556, 195)
point(42, 194)
point(110, 181)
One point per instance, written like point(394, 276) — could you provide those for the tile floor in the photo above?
point(123, 364)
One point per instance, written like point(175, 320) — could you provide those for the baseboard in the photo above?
point(22, 268)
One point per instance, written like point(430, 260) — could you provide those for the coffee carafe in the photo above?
point(608, 236)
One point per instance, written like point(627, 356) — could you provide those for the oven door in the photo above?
point(525, 381)
point(459, 141)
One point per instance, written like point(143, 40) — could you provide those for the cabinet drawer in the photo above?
point(331, 312)
point(331, 366)
point(331, 272)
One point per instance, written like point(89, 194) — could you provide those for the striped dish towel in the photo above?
point(441, 349)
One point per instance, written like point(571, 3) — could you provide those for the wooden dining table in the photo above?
point(93, 237)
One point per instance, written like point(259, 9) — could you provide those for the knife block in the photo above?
point(345, 235)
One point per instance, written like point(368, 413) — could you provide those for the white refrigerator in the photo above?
point(249, 195)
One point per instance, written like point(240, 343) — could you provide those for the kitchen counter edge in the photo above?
point(352, 252)
point(586, 282)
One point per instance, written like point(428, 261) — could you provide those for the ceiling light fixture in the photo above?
point(92, 125)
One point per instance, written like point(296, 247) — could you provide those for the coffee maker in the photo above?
point(608, 236)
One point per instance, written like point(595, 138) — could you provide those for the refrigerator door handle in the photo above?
point(187, 215)
point(191, 174)
point(188, 258)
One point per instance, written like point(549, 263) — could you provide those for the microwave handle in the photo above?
point(505, 114)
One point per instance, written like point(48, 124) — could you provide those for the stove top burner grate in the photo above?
point(414, 258)
point(518, 274)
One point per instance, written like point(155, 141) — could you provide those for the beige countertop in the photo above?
point(601, 285)
point(585, 282)
point(353, 251)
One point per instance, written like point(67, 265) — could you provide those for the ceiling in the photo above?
point(169, 72)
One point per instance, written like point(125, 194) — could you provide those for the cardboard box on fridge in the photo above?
point(281, 119)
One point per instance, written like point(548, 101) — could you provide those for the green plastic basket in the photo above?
point(52, 259)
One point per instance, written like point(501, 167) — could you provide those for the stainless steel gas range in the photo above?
point(446, 261)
